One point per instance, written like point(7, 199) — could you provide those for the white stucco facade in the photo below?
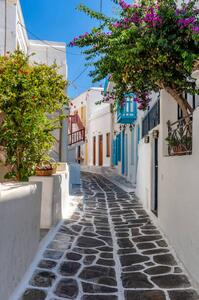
point(97, 120)
point(20, 208)
point(178, 206)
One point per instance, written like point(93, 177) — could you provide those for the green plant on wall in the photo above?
point(28, 95)
point(150, 45)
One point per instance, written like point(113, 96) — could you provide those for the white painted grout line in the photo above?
point(24, 284)
point(118, 184)
point(27, 276)
point(118, 268)
point(116, 257)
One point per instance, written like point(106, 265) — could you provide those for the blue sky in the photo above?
point(58, 20)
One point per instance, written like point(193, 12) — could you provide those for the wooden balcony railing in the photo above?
point(76, 137)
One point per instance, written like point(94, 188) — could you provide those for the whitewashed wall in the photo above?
point(99, 124)
point(178, 197)
point(143, 187)
point(20, 206)
point(8, 25)
point(178, 205)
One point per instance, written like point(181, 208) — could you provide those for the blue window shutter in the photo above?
point(119, 147)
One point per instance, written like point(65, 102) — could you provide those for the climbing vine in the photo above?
point(150, 45)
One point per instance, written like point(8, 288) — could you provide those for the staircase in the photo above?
point(76, 134)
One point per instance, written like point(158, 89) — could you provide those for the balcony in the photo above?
point(127, 113)
point(76, 130)
point(152, 119)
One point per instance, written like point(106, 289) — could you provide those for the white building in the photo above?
point(125, 136)
point(167, 180)
point(97, 120)
point(13, 34)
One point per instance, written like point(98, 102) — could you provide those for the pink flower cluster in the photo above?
point(109, 98)
point(74, 42)
point(143, 99)
point(124, 5)
point(195, 29)
point(186, 22)
point(117, 25)
point(152, 18)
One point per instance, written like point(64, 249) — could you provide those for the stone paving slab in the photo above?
point(108, 250)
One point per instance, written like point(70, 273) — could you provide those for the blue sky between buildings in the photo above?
point(55, 20)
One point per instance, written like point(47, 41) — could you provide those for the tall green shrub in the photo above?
point(28, 94)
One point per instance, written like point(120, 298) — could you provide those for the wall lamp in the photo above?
point(146, 139)
point(155, 134)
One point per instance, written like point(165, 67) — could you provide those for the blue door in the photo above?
point(123, 152)
point(114, 158)
point(126, 155)
point(119, 147)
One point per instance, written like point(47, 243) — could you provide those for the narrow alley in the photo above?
point(108, 250)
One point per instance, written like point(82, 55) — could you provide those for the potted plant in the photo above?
point(179, 146)
point(44, 169)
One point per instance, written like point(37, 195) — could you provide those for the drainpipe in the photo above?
point(64, 136)
point(5, 34)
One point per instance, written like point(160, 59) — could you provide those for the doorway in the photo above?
point(79, 154)
point(126, 154)
point(123, 153)
point(94, 151)
point(154, 206)
point(100, 150)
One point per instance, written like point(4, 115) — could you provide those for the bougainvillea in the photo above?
point(151, 46)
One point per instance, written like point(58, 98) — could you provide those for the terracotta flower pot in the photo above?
point(178, 150)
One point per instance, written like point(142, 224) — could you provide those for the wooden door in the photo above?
point(94, 151)
point(100, 150)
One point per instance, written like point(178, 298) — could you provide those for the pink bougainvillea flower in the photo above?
point(195, 29)
point(124, 5)
point(186, 22)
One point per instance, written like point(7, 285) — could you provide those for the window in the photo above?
point(108, 145)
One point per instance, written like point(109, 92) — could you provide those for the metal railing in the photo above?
point(152, 119)
point(180, 137)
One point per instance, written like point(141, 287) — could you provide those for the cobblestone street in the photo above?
point(108, 250)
